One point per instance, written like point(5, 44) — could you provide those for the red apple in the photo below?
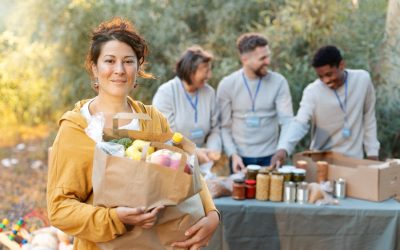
point(188, 169)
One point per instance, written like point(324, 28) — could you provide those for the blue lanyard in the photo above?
point(192, 103)
point(343, 106)
point(253, 99)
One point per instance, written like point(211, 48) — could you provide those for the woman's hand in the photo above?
point(137, 217)
point(200, 233)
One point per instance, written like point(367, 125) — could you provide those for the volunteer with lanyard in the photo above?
point(255, 105)
point(189, 104)
point(341, 108)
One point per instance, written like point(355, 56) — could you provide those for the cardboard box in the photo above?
point(365, 179)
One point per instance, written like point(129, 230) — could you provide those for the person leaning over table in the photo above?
point(115, 59)
point(341, 107)
point(189, 103)
point(255, 105)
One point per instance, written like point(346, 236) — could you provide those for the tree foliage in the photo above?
point(45, 43)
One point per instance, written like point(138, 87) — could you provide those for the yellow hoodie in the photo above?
point(69, 187)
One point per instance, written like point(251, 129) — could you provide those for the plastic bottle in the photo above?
point(177, 139)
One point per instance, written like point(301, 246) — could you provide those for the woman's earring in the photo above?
point(135, 85)
point(95, 84)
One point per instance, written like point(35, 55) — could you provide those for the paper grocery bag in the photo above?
point(170, 228)
point(120, 181)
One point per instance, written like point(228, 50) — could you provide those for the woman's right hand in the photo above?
point(138, 217)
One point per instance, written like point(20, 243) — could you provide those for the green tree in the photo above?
point(298, 28)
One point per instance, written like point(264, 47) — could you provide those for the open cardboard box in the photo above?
point(365, 179)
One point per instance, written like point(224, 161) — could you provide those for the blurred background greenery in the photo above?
point(43, 46)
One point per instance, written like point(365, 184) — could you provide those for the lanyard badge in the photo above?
point(193, 103)
point(195, 133)
point(346, 131)
point(252, 120)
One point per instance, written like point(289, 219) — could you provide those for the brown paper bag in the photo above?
point(119, 181)
point(171, 226)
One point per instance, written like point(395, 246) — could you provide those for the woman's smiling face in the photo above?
point(116, 69)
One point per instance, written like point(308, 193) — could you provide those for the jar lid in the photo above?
point(275, 172)
point(285, 170)
point(299, 171)
point(253, 167)
point(239, 181)
point(264, 171)
point(251, 182)
point(288, 167)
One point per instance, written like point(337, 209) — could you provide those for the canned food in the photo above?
point(289, 192)
point(302, 192)
point(339, 188)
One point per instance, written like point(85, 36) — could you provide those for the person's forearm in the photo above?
point(295, 132)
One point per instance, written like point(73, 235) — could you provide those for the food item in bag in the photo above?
point(168, 158)
point(126, 142)
point(165, 158)
point(135, 151)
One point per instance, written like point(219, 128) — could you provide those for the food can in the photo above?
point(302, 192)
point(289, 192)
point(339, 188)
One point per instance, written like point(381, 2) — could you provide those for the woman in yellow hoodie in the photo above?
point(117, 54)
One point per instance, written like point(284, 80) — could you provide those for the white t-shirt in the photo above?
point(133, 125)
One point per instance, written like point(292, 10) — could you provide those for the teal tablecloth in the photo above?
point(354, 224)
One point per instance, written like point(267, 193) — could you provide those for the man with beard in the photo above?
point(341, 107)
point(255, 104)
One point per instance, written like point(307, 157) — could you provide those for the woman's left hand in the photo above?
point(200, 233)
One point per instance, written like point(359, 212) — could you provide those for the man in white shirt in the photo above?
point(255, 105)
point(341, 108)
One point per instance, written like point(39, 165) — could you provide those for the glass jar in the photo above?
point(262, 187)
point(302, 164)
point(238, 189)
point(252, 171)
point(322, 171)
point(299, 175)
point(250, 189)
point(276, 187)
point(287, 173)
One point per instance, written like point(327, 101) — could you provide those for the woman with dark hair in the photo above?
point(116, 56)
point(189, 103)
